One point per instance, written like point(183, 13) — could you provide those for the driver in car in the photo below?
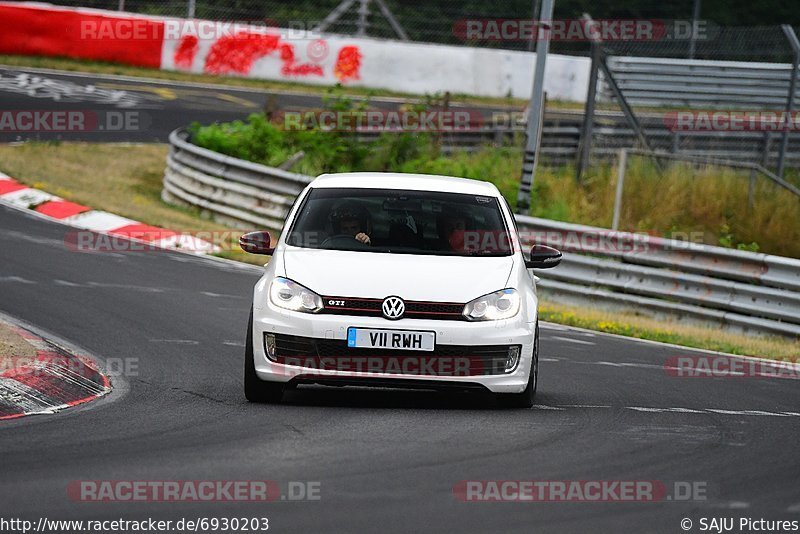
point(352, 220)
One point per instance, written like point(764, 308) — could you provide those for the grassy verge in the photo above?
point(130, 185)
point(14, 351)
point(670, 331)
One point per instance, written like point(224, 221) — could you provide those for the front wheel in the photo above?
point(526, 397)
point(255, 389)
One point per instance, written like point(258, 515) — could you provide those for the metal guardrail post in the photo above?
point(630, 116)
point(585, 143)
point(363, 13)
point(795, 44)
point(623, 103)
point(621, 166)
point(536, 110)
point(333, 16)
point(695, 19)
point(388, 15)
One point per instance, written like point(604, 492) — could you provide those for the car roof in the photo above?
point(413, 182)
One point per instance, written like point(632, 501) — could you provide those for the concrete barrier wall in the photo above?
point(414, 68)
point(275, 54)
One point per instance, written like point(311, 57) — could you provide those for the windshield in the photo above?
point(398, 221)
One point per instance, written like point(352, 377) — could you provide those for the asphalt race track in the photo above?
point(385, 460)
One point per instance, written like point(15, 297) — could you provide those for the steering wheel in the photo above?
point(347, 242)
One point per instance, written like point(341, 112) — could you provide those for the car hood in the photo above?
point(409, 276)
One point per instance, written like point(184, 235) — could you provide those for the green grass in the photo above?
point(631, 324)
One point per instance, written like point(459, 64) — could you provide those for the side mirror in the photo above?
point(543, 257)
point(256, 243)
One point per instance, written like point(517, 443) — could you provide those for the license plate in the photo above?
point(375, 338)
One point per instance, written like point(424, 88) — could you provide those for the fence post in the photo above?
point(695, 18)
point(623, 163)
point(676, 142)
point(751, 190)
point(363, 13)
point(630, 116)
point(535, 111)
point(795, 44)
point(767, 148)
point(388, 15)
point(585, 145)
point(190, 8)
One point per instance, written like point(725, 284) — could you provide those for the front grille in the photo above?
point(444, 360)
point(451, 311)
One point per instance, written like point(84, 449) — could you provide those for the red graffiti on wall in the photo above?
point(348, 64)
point(236, 54)
point(292, 68)
point(186, 51)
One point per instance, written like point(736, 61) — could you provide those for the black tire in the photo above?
point(526, 397)
point(255, 389)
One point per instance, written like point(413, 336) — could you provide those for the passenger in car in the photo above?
point(451, 228)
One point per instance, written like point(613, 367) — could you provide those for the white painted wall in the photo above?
point(420, 68)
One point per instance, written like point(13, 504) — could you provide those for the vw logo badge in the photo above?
point(393, 307)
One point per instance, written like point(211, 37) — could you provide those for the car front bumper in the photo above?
point(269, 319)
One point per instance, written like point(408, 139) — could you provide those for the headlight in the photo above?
point(289, 295)
point(502, 304)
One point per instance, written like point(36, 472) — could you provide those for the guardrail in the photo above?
point(237, 192)
point(701, 84)
point(749, 291)
point(562, 132)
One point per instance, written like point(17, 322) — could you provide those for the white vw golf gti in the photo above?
point(396, 280)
